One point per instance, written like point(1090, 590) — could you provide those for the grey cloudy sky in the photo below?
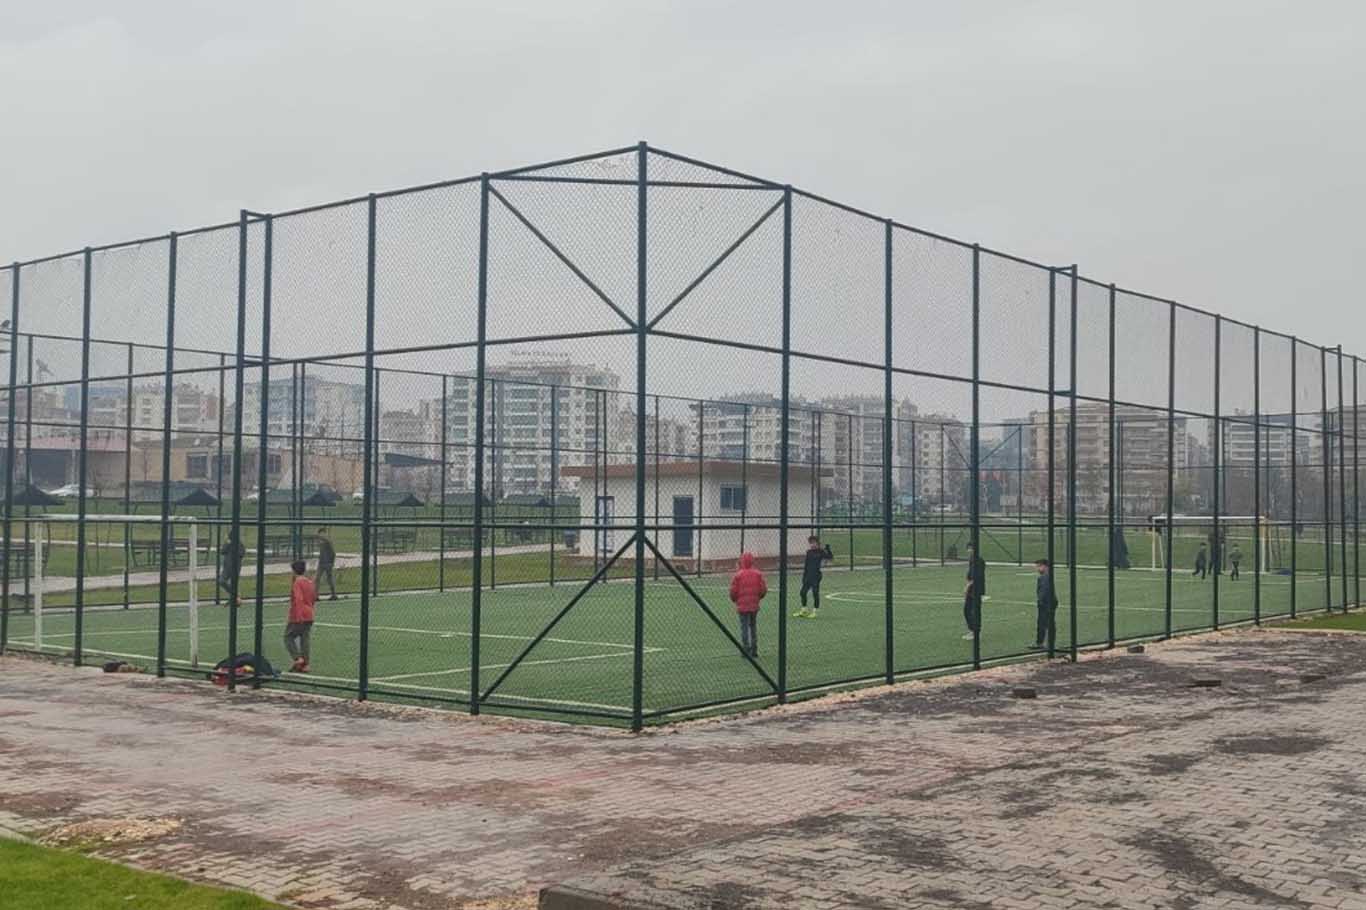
point(1207, 151)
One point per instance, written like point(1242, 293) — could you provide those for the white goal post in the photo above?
point(1202, 526)
point(39, 525)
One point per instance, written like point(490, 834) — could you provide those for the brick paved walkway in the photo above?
point(1118, 787)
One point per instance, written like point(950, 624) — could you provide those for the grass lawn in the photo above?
point(41, 878)
point(1352, 622)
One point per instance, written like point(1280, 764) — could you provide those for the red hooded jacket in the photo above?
point(747, 586)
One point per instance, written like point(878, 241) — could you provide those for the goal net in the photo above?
point(30, 558)
point(1230, 537)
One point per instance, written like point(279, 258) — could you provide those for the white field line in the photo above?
point(525, 663)
point(332, 625)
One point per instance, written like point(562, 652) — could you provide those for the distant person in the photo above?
point(747, 588)
point(327, 562)
point(1201, 561)
point(1046, 604)
point(230, 557)
point(974, 593)
point(1235, 556)
point(811, 574)
point(303, 597)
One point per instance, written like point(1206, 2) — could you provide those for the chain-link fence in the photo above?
point(521, 428)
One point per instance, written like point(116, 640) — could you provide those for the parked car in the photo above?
point(70, 491)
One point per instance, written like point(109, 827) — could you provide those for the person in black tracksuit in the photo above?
point(811, 570)
point(1046, 604)
point(974, 592)
point(1201, 562)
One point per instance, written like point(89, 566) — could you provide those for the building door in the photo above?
point(683, 531)
point(604, 516)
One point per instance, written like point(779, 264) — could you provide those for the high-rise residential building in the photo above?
point(531, 400)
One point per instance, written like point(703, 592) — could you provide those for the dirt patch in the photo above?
point(730, 896)
point(1270, 744)
point(1183, 859)
point(907, 848)
point(1173, 763)
point(31, 804)
point(99, 833)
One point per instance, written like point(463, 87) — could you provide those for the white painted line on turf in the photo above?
point(525, 663)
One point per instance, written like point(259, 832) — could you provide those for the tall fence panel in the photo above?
point(631, 437)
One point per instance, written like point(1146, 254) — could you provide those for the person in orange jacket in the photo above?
point(747, 588)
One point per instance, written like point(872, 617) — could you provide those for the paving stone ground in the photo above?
point(1120, 786)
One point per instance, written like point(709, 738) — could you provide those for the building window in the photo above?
point(733, 497)
point(197, 467)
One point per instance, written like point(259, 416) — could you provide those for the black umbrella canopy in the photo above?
point(322, 498)
point(198, 497)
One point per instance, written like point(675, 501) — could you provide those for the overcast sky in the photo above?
point(1208, 151)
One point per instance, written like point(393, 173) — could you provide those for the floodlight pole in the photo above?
point(167, 415)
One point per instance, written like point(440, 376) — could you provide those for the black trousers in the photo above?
point(813, 587)
point(1233, 570)
point(1044, 627)
point(972, 613)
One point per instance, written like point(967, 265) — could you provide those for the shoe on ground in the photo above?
point(302, 668)
point(967, 636)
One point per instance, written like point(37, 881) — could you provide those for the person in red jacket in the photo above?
point(299, 624)
point(747, 588)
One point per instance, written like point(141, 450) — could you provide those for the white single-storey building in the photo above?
point(706, 510)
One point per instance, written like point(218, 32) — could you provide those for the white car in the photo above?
point(70, 491)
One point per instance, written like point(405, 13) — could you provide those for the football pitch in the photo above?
point(420, 645)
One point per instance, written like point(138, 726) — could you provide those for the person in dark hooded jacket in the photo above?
point(811, 574)
point(747, 588)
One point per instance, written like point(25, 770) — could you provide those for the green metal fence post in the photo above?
point(1115, 504)
point(783, 452)
point(1217, 551)
point(263, 448)
point(887, 429)
point(167, 437)
point(480, 368)
point(1051, 544)
point(368, 455)
point(82, 501)
point(1072, 475)
point(1326, 445)
point(1171, 468)
point(1257, 530)
point(127, 473)
point(9, 451)
point(1294, 473)
point(1342, 484)
point(974, 533)
point(239, 385)
point(642, 330)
